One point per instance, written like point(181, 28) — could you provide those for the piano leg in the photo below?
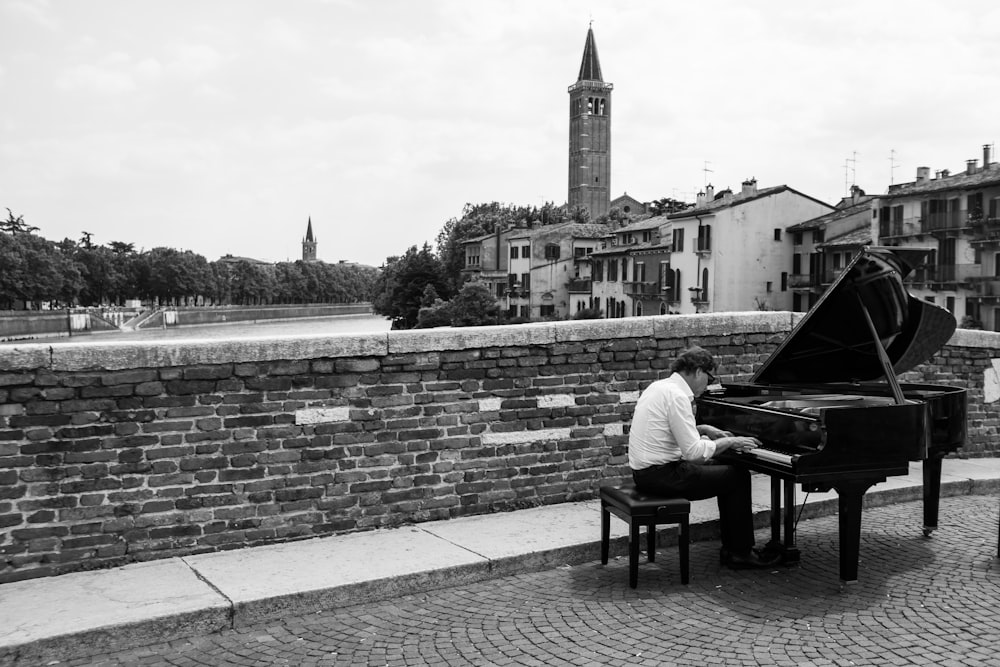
point(932, 493)
point(775, 513)
point(850, 495)
point(789, 552)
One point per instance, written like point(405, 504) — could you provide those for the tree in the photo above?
point(474, 306)
point(16, 225)
point(436, 314)
point(588, 314)
point(666, 206)
point(99, 267)
point(615, 217)
point(175, 277)
point(400, 287)
point(35, 270)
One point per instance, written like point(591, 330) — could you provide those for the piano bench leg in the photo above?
point(639, 510)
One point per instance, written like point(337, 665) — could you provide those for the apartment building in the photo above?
point(956, 217)
point(731, 251)
point(629, 272)
point(536, 272)
point(487, 259)
point(823, 246)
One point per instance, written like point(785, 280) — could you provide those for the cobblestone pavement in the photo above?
point(918, 602)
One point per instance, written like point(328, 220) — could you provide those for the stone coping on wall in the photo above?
point(112, 355)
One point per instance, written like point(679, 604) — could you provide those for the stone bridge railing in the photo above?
point(117, 452)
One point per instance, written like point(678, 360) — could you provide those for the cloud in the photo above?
point(194, 60)
point(35, 11)
point(95, 78)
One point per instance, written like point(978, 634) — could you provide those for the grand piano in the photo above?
point(829, 409)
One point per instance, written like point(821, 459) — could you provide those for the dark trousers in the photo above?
point(697, 481)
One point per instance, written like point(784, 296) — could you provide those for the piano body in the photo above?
point(829, 409)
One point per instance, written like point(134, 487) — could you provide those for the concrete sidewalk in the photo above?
point(87, 613)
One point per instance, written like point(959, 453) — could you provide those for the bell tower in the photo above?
point(590, 136)
point(309, 244)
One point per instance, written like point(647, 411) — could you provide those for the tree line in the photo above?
point(68, 273)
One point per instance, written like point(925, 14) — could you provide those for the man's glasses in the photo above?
point(711, 377)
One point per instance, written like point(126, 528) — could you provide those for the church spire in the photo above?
point(309, 244)
point(590, 67)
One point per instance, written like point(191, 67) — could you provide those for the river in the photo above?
point(340, 324)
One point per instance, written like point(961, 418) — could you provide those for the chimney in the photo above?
point(923, 174)
point(709, 192)
point(970, 166)
point(986, 155)
point(749, 187)
point(700, 201)
point(945, 173)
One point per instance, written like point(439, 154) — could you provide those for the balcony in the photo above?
point(989, 288)
point(641, 289)
point(945, 274)
point(830, 275)
point(947, 221)
point(579, 285)
point(801, 280)
point(985, 230)
point(900, 229)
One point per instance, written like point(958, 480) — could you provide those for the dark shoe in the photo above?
point(749, 561)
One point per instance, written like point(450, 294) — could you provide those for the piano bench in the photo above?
point(640, 509)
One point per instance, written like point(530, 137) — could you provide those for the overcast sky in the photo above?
point(221, 126)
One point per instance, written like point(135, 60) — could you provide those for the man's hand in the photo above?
point(711, 432)
point(736, 443)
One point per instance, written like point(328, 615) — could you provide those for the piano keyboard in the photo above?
point(770, 455)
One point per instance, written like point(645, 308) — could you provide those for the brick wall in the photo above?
point(111, 453)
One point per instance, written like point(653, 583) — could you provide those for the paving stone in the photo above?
point(918, 601)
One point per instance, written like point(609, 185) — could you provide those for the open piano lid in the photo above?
point(834, 343)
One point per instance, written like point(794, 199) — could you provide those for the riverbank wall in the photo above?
point(29, 324)
point(118, 452)
point(22, 324)
point(203, 315)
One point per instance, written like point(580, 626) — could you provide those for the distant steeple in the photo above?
point(590, 66)
point(309, 244)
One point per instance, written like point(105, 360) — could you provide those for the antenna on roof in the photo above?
point(706, 171)
point(849, 164)
point(892, 165)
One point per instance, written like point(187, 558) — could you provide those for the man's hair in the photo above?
point(691, 359)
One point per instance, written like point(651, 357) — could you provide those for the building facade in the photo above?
point(628, 205)
point(956, 217)
point(487, 260)
point(539, 272)
point(629, 272)
point(590, 136)
point(823, 246)
point(731, 253)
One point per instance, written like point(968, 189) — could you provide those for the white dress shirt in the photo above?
point(663, 426)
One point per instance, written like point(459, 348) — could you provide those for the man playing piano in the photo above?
point(670, 455)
